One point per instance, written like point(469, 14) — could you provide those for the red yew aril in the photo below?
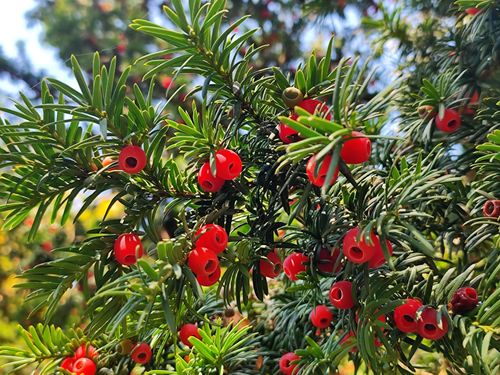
point(228, 164)
point(472, 11)
point(294, 264)
point(188, 330)
point(328, 259)
point(128, 248)
point(314, 106)
point(202, 261)
point(67, 363)
point(287, 134)
point(132, 159)
point(491, 208)
point(319, 178)
point(357, 251)
point(321, 317)
point(464, 300)
point(470, 108)
point(213, 237)
point(450, 121)
point(356, 149)
point(271, 267)
point(141, 353)
point(210, 279)
point(286, 367)
point(341, 295)
point(207, 181)
point(84, 366)
point(405, 315)
point(427, 325)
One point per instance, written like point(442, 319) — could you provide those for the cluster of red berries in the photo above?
point(128, 248)
point(186, 331)
point(425, 323)
point(211, 240)
point(228, 166)
point(361, 252)
point(82, 362)
point(356, 149)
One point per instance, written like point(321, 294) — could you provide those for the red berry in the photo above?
point(287, 134)
point(141, 353)
point(188, 330)
point(348, 339)
point(319, 178)
point(167, 82)
point(356, 149)
point(213, 237)
point(228, 164)
point(472, 11)
point(427, 325)
point(202, 261)
point(321, 317)
point(132, 159)
point(450, 121)
point(315, 106)
point(378, 257)
point(207, 181)
point(327, 260)
point(84, 366)
point(128, 248)
point(210, 279)
point(86, 352)
point(67, 363)
point(491, 208)
point(341, 295)
point(286, 367)
point(354, 251)
point(464, 300)
point(470, 108)
point(271, 267)
point(121, 48)
point(405, 315)
point(294, 264)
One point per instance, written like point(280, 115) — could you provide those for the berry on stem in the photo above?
point(314, 106)
point(207, 181)
point(354, 251)
point(141, 353)
point(202, 261)
point(132, 159)
point(287, 134)
point(213, 237)
point(227, 164)
point(491, 208)
point(405, 315)
point(321, 317)
point(67, 363)
point(128, 248)
point(210, 279)
point(188, 330)
point(294, 264)
point(86, 351)
point(327, 259)
point(319, 178)
point(450, 121)
point(341, 295)
point(427, 325)
point(84, 366)
point(464, 300)
point(270, 267)
point(356, 149)
point(286, 367)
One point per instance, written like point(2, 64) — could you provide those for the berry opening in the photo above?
point(323, 321)
point(230, 167)
point(430, 327)
point(207, 185)
point(408, 318)
point(452, 123)
point(141, 356)
point(356, 252)
point(277, 268)
point(131, 162)
point(209, 265)
point(337, 294)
